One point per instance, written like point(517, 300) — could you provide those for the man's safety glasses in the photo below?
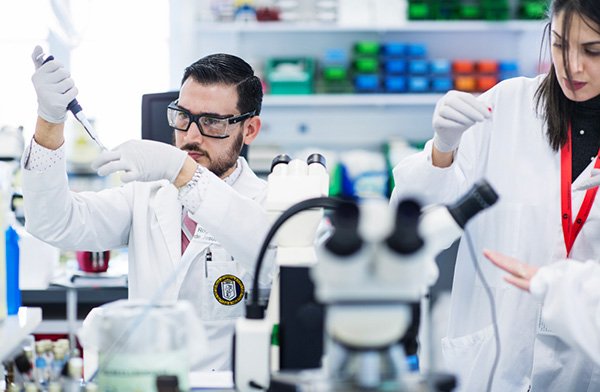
point(209, 126)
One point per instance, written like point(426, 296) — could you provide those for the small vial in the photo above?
point(54, 387)
point(31, 387)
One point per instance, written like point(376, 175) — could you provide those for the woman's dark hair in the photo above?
point(554, 107)
point(229, 70)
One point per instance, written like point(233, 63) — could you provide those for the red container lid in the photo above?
point(93, 261)
point(463, 66)
point(487, 66)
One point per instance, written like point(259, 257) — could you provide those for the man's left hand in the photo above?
point(142, 160)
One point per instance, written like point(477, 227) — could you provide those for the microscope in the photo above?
point(378, 261)
point(343, 305)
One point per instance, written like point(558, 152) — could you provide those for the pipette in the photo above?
point(75, 108)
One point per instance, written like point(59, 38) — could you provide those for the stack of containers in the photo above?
point(441, 75)
point(467, 9)
point(366, 67)
point(464, 75)
point(334, 73)
point(418, 68)
point(394, 67)
point(487, 74)
point(481, 75)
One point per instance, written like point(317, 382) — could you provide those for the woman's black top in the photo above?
point(585, 134)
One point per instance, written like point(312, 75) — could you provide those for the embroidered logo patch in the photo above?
point(228, 290)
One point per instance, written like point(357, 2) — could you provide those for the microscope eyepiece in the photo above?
point(281, 158)
point(316, 158)
point(480, 197)
point(405, 238)
point(345, 240)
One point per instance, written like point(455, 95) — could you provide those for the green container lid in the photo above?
point(418, 11)
point(367, 48)
point(335, 73)
point(366, 65)
point(534, 11)
point(469, 11)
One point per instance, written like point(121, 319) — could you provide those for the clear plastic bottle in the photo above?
point(40, 365)
point(74, 381)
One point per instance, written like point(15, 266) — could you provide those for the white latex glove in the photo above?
point(53, 86)
point(141, 160)
point(454, 114)
point(591, 182)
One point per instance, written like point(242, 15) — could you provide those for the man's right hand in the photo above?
point(54, 88)
point(454, 114)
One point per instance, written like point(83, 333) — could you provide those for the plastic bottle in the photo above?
point(3, 302)
point(13, 294)
point(73, 383)
point(40, 364)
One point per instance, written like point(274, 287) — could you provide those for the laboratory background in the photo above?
point(355, 81)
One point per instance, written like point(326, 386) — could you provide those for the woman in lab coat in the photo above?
point(518, 136)
point(202, 177)
point(570, 293)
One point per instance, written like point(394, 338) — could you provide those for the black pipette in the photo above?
point(75, 108)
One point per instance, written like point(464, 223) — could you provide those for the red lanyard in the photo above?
point(570, 228)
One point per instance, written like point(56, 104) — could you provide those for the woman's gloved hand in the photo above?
point(453, 115)
point(53, 86)
point(141, 160)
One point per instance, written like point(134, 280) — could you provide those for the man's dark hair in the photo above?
point(230, 70)
point(555, 108)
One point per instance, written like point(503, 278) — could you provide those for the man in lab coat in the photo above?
point(197, 204)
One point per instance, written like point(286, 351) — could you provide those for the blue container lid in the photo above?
point(510, 65)
point(418, 84)
point(418, 67)
point(395, 83)
point(441, 85)
point(417, 50)
point(440, 66)
point(395, 66)
point(366, 82)
point(335, 56)
point(394, 49)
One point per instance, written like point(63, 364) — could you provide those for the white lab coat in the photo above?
point(146, 217)
point(570, 292)
point(510, 151)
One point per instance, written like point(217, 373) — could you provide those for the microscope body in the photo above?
point(291, 181)
point(378, 262)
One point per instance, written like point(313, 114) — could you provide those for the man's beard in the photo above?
point(220, 165)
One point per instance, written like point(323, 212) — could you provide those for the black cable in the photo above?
point(253, 309)
point(488, 291)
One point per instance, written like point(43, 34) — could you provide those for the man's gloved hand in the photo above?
point(453, 115)
point(53, 86)
point(142, 160)
point(588, 183)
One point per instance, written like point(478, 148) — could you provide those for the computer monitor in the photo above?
point(154, 118)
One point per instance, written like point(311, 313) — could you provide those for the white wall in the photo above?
point(116, 51)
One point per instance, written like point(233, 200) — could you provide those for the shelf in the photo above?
point(424, 26)
point(16, 328)
point(351, 100)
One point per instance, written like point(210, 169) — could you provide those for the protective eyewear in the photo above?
point(209, 125)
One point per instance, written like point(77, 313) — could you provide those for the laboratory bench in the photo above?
point(65, 307)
